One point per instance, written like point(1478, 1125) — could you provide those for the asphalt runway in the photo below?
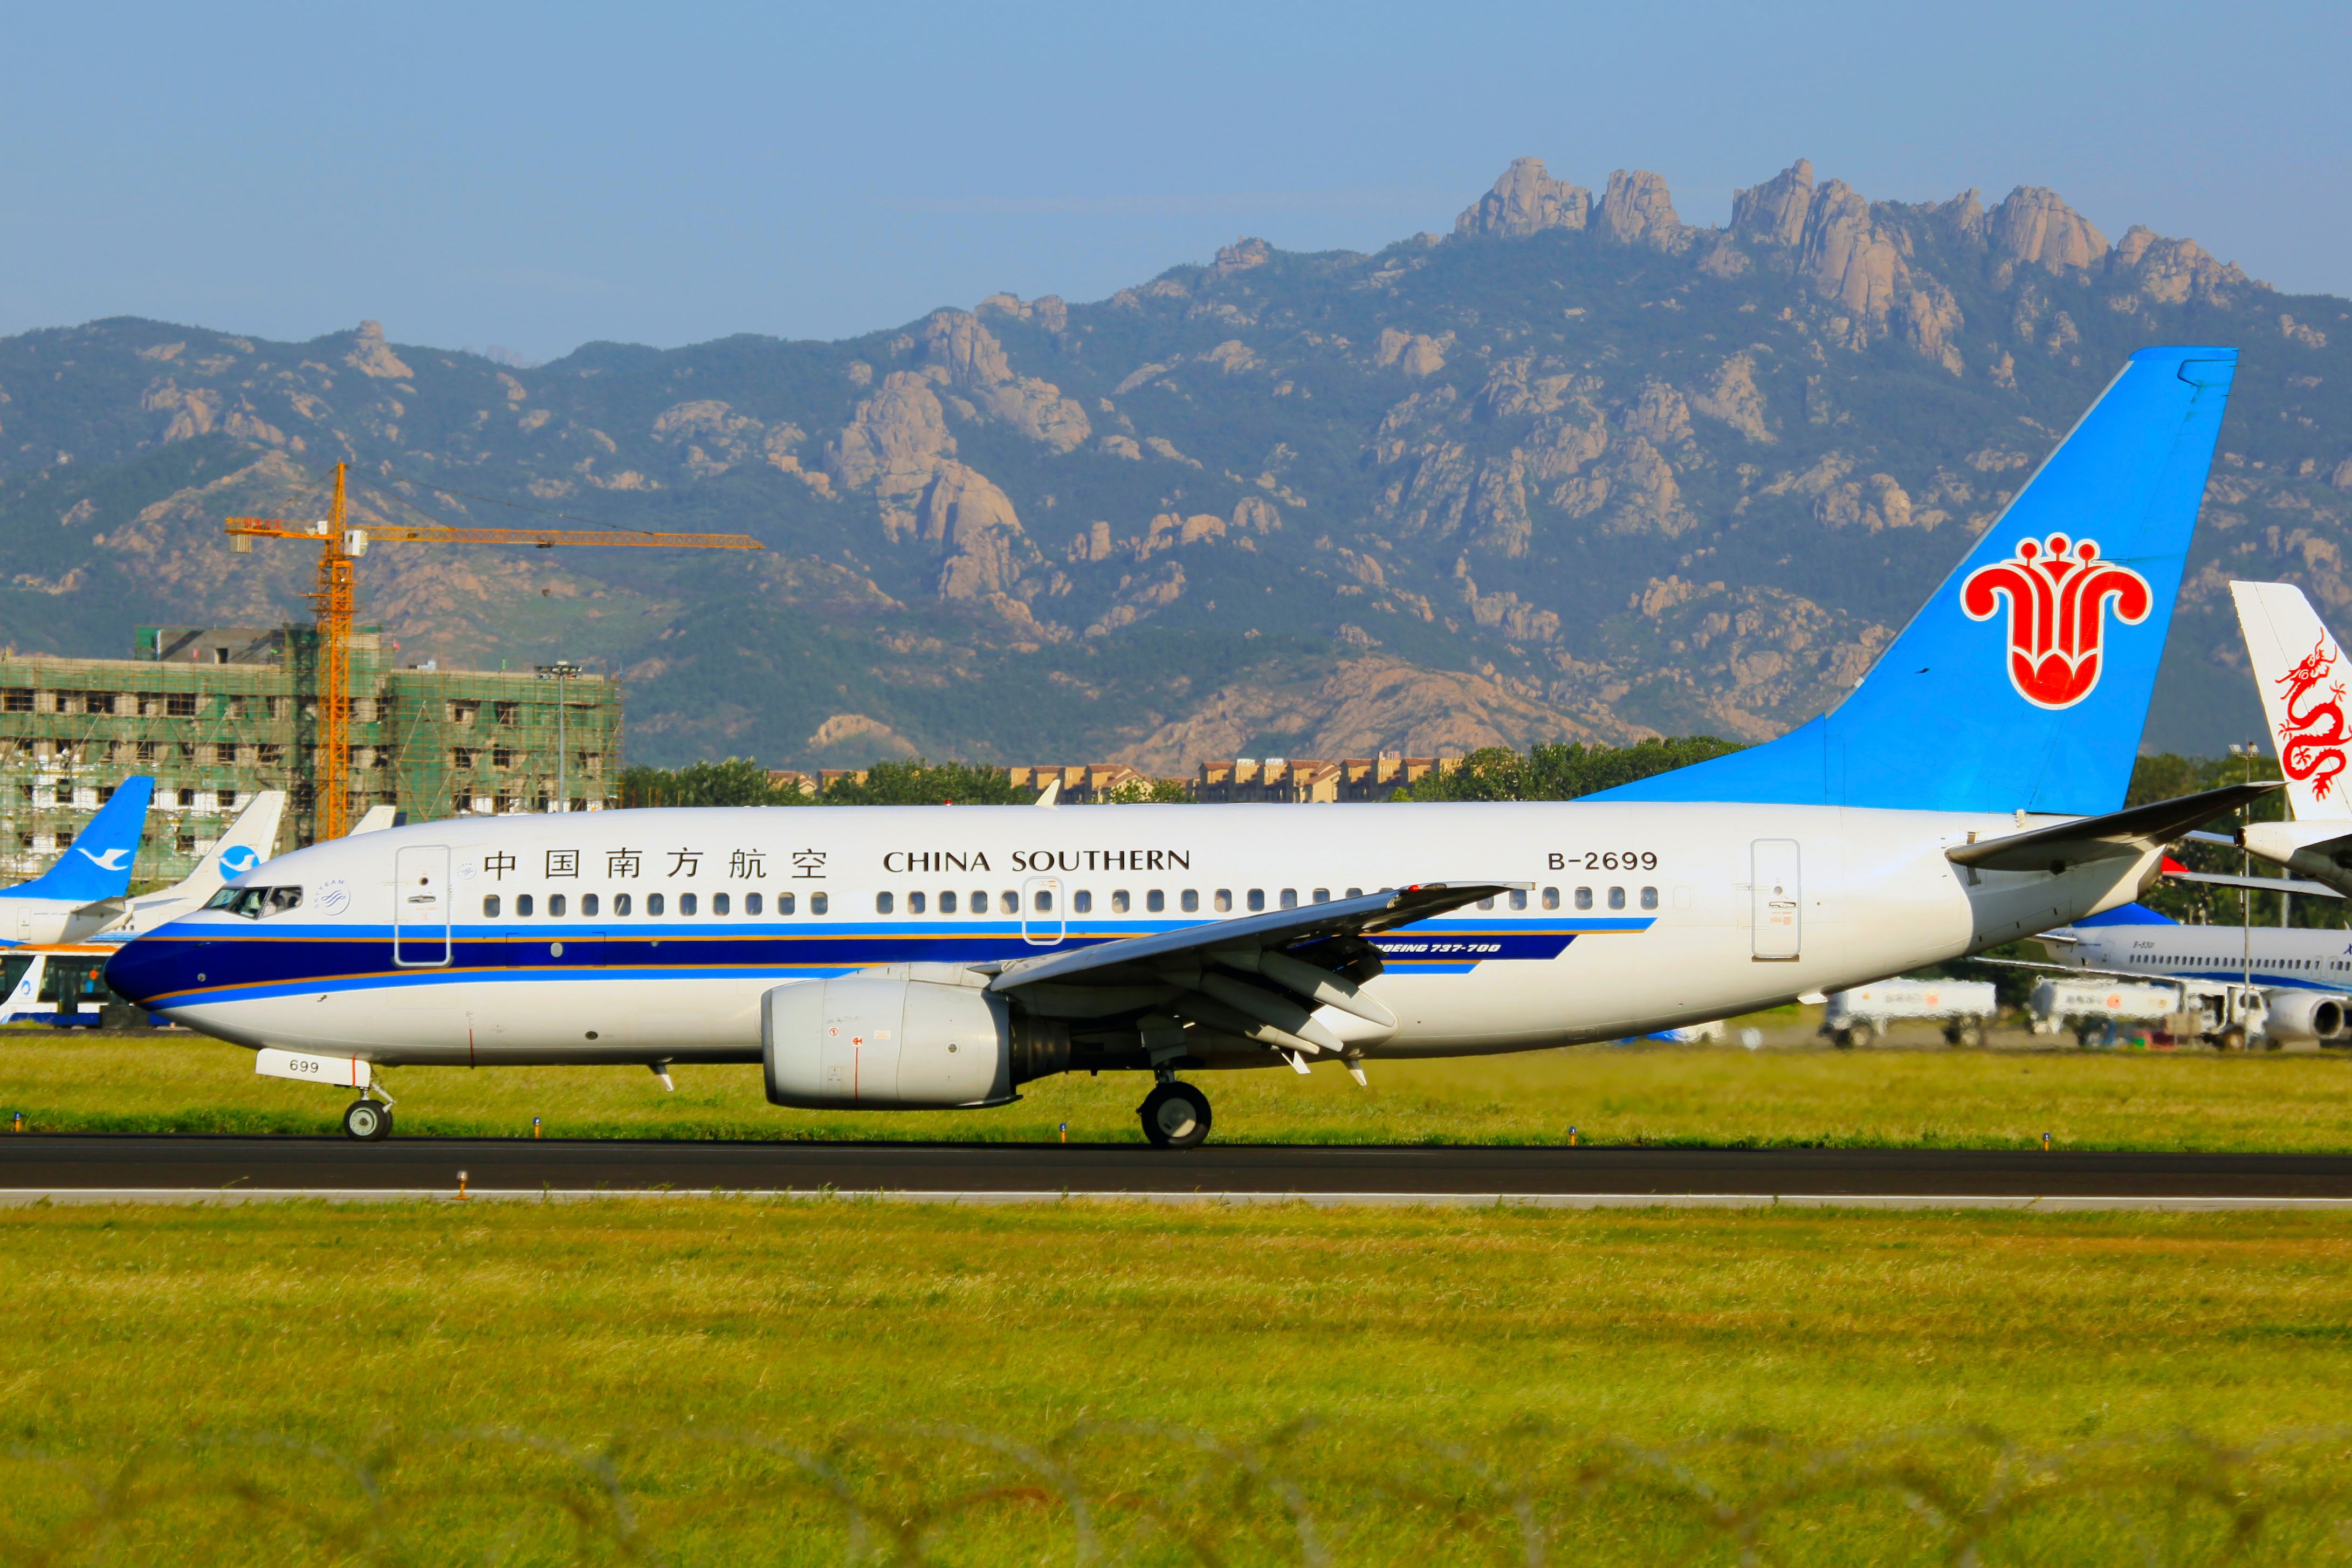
point(126, 1168)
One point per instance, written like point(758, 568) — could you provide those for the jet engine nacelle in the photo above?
point(2303, 1016)
point(910, 1036)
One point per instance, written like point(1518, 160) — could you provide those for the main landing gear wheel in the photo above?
point(1175, 1116)
point(367, 1122)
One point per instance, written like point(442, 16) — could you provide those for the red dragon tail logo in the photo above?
point(2058, 596)
point(2310, 741)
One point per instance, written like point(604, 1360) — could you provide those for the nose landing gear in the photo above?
point(1175, 1115)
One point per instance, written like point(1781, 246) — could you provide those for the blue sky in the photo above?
point(535, 176)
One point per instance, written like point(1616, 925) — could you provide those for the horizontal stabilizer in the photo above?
point(2258, 884)
point(2117, 835)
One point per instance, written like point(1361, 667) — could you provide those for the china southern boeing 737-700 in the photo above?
point(1969, 792)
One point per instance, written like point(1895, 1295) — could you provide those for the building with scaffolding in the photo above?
point(217, 715)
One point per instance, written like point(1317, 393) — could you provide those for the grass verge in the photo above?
point(502, 1374)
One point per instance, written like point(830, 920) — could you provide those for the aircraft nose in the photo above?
point(145, 967)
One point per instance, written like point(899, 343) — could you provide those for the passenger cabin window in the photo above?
point(1154, 901)
point(948, 902)
point(490, 906)
point(1192, 900)
point(555, 902)
point(1082, 902)
point(686, 904)
point(1118, 901)
point(915, 903)
point(753, 903)
point(1552, 898)
point(1256, 899)
point(1487, 902)
point(1616, 898)
point(655, 905)
point(522, 905)
point(785, 903)
point(1224, 900)
point(1583, 898)
point(621, 902)
point(1044, 902)
point(980, 901)
point(588, 904)
point(1649, 898)
point(882, 903)
point(1519, 898)
point(1322, 895)
point(721, 904)
point(1009, 901)
point(817, 903)
point(1289, 897)
point(1355, 892)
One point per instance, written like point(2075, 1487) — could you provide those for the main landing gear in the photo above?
point(367, 1122)
point(1175, 1115)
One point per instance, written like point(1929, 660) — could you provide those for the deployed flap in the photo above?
point(2115, 835)
point(2299, 670)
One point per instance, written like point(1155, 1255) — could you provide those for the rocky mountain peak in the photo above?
point(1526, 201)
point(1774, 213)
point(1638, 210)
point(371, 356)
point(2035, 225)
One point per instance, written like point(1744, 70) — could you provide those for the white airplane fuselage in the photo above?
point(48, 920)
point(673, 924)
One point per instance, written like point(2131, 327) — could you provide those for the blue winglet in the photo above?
point(2024, 682)
point(97, 864)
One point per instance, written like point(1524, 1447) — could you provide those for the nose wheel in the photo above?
point(1175, 1116)
point(367, 1122)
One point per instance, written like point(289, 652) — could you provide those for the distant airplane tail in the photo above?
point(247, 844)
point(2024, 683)
point(2299, 669)
point(97, 864)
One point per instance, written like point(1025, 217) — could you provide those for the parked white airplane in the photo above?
point(247, 844)
point(1966, 794)
point(83, 890)
point(2304, 974)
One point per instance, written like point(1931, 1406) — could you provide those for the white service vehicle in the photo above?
point(1969, 791)
point(1963, 1006)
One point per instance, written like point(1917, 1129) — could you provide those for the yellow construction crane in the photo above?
point(340, 547)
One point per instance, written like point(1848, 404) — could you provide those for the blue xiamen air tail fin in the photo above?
point(97, 864)
point(2024, 682)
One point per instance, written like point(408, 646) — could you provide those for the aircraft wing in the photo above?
point(1261, 977)
point(2117, 835)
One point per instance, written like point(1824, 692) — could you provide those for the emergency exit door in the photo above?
point(1773, 889)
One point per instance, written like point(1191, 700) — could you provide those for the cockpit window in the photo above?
point(255, 902)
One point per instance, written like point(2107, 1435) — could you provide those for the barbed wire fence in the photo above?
point(1311, 1492)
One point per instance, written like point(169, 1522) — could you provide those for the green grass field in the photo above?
point(200, 1382)
point(65, 1082)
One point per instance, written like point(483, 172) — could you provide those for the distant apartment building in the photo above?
point(1289, 780)
point(216, 714)
point(1305, 781)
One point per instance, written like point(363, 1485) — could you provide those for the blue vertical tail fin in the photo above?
point(97, 864)
point(2024, 683)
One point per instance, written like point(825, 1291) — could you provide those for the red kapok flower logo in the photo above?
point(2058, 597)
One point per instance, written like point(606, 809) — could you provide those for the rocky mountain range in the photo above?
point(1575, 470)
